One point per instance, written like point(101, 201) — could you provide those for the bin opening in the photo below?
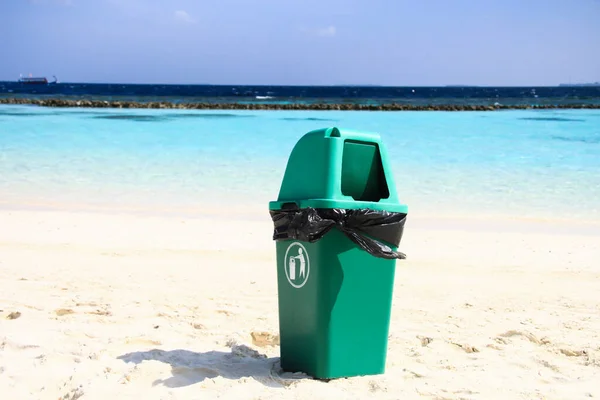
point(363, 177)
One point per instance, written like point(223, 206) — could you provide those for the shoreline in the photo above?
point(66, 103)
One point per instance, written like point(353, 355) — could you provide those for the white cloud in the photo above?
point(183, 16)
point(325, 32)
point(329, 31)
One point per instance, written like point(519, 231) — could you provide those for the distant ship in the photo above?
point(36, 81)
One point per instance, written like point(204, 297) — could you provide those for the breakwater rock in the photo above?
point(287, 106)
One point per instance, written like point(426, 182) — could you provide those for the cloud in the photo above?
point(183, 16)
point(324, 32)
point(329, 31)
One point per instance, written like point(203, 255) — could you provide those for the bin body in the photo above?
point(336, 324)
point(334, 297)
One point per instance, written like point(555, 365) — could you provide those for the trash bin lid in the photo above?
point(333, 168)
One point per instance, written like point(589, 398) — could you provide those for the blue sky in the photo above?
point(313, 42)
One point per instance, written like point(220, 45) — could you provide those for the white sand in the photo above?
point(117, 306)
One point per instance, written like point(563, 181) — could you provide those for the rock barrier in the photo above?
point(287, 106)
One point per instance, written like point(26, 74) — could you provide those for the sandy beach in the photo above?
point(101, 305)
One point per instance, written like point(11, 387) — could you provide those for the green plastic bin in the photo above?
point(335, 298)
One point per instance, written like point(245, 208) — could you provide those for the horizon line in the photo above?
point(326, 85)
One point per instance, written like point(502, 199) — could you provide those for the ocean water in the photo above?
point(415, 95)
point(533, 164)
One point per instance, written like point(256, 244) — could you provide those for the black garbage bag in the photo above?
point(365, 227)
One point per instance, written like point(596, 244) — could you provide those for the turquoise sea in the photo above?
point(524, 164)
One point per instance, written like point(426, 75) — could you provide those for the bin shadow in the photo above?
point(188, 367)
